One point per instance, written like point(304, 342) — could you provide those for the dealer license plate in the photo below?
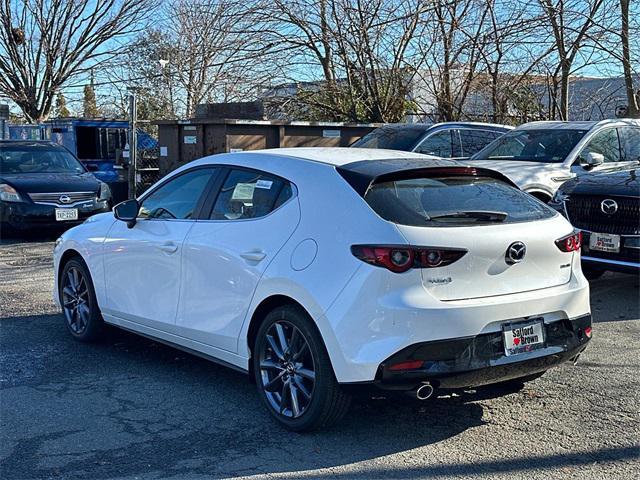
point(65, 214)
point(523, 337)
point(604, 242)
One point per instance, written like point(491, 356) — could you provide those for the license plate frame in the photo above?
point(518, 337)
point(604, 242)
point(66, 214)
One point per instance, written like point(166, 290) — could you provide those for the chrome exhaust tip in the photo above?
point(424, 391)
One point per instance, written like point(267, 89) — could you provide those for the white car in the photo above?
point(323, 270)
point(540, 156)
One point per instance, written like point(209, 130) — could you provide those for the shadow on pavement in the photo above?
point(129, 406)
point(30, 236)
point(610, 297)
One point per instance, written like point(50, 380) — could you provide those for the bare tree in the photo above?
point(209, 51)
point(632, 95)
point(44, 43)
point(511, 54)
point(364, 51)
point(455, 44)
point(570, 22)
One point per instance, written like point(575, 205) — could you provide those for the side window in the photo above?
point(475, 140)
point(250, 194)
point(438, 144)
point(605, 143)
point(177, 199)
point(630, 143)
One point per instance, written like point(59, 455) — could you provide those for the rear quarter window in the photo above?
point(453, 201)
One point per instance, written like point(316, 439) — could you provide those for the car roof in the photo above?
point(428, 126)
point(577, 125)
point(336, 156)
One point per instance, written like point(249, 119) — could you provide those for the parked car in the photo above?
point(322, 270)
point(606, 207)
point(540, 156)
point(456, 140)
point(43, 185)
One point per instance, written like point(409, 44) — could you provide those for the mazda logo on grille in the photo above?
point(515, 253)
point(609, 206)
point(64, 199)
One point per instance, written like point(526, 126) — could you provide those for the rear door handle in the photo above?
point(169, 247)
point(254, 255)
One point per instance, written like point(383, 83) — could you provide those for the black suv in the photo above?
point(606, 207)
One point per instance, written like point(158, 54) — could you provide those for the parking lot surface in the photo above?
point(131, 408)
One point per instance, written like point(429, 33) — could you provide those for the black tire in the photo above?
point(592, 273)
point(318, 404)
point(79, 304)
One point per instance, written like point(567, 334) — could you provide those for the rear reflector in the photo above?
point(571, 242)
point(399, 259)
point(588, 332)
point(408, 365)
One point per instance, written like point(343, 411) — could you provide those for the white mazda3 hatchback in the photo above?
point(321, 271)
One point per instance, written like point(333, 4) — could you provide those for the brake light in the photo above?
point(571, 242)
point(399, 259)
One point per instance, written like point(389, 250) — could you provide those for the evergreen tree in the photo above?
point(61, 106)
point(90, 107)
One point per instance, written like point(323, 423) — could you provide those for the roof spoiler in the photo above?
point(361, 182)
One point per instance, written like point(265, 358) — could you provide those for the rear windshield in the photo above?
point(544, 145)
point(453, 201)
point(392, 138)
point(37, 159)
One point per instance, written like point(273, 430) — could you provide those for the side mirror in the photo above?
point(127, 211)
point(592, 159)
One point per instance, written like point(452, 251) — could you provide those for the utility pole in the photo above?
point(133, 142)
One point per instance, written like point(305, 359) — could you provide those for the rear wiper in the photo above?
point(488, 216)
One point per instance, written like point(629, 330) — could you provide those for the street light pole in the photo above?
point(133, 142)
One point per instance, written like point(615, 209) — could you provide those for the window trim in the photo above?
point(432, 133)
point(197, 211)
point(214, 192)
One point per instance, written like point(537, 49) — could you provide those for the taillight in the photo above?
point(571, 242)
point(399, 259)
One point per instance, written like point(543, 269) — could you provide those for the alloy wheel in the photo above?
point(75, 300)
point(287, 369)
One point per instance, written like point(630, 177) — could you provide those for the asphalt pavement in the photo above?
point(130, 408)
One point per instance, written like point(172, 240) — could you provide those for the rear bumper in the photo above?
point(627, 260)
point(611, 264)
point(480, 360)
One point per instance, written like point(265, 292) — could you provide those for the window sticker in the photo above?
point(243, 191)
point(264, 184)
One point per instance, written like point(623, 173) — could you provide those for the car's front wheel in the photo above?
point(78, 300)
point(294, 374)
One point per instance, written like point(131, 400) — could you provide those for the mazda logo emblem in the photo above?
point(64, 199)
point(609, 206)
point(515, 253)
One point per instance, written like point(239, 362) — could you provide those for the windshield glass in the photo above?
point(546, 146)
point(393, 138)
point(37, 159)
point(453, 201)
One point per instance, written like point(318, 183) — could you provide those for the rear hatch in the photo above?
point(509, 237)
